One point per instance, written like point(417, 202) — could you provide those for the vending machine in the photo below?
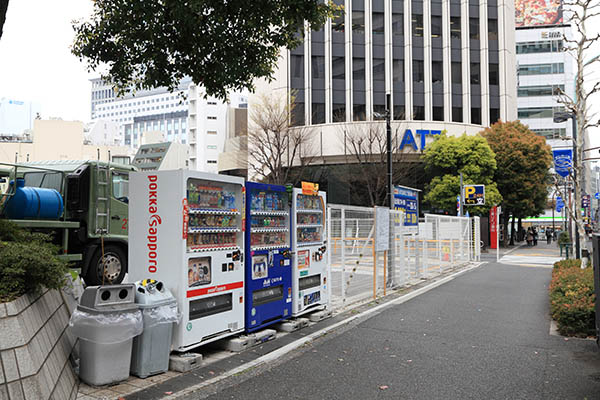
point(186, 230)
point(310, 268)
point(268, 258)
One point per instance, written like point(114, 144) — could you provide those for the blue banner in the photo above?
point(407, 200)
point(563, 160)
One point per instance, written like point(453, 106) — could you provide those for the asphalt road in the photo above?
point(484, 335)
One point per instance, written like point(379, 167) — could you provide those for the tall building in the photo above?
point(543, 68)
point(143, 111)
point(17, 116)
point(185, 116)
point(448, 66)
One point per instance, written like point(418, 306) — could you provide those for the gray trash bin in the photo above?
point(106, 321)
point(150, 355)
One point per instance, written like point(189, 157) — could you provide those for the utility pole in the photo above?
point(388, 130)
point(461, 213)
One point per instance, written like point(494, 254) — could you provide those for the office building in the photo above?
point(447, 65)
point(544, 69)
point(17, 116)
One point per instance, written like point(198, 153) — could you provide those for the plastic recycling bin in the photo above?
point(151, 349)
point(106, 321)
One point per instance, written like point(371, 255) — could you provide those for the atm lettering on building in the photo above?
point(409, 139)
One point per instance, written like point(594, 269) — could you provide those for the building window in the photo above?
point(358, 69)
point(436, 26)
point(494, 74)
point(417, 25)
point(455, 27)
point(474, 28)
point(437, 71)
point(418, 113)
point(337, 23)
point(475, 77)
point(358, 22)
point(378, 24)
point(476, 115)
point(456, 73)
point(553, 133)
point(538, 112)
point(297, 66)
point(541, 69)
point(212, 103)
point(438, 113)
point(211, 161)
point(318, 67)
point(211, 147)
point(318, 113)
point(338, 68)
point(379, 69)
point(211, 132)
point(492, 29)
point(418, 71)
point(211, 117)
point(542, 90)
point(548, 46)
point(398, 68)
point(494, 115)
point(457, 114)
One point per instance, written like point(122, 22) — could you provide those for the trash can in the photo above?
point(106, 321)
point(150, 355)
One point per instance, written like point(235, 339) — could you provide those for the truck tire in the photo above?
point(113, 266)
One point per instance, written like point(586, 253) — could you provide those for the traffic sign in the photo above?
point(597, 195)
point(474, 195)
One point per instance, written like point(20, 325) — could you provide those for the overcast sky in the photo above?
point(36, 63)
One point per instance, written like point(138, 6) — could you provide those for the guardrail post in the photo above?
point(343, 269)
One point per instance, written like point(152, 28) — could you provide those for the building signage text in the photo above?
point(409, 139)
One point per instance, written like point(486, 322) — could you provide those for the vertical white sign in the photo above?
point(382, 228)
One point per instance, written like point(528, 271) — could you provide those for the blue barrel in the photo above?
point(33, 202)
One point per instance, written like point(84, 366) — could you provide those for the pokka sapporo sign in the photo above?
point(409, 139)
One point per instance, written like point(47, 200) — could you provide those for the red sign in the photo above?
point(214, 289)
point(186, 218)
point(493, 232)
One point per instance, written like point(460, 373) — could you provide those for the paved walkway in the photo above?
point(483, 335)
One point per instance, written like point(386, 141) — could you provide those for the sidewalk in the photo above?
point(485, 334)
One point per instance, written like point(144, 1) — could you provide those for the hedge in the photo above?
point(28, 262)
point(572, 298)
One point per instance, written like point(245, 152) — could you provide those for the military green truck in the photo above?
point(91, 228)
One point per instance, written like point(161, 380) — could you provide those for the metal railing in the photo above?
point(358, 272)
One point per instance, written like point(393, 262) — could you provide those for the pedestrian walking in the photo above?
point(548, 235)
point(535, 236)
point(529, 237)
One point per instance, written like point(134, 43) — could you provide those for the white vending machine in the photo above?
point(310, 275)
point(186, 230)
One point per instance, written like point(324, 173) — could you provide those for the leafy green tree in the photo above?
point(523, 159)
point(3, 8)
point(221, 45)
point(446, 158)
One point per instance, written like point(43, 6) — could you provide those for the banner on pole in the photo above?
point(563, 160)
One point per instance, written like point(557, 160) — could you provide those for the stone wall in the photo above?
point(35, 349)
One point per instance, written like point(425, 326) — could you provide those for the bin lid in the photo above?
point(150, 293)
point(108, 298)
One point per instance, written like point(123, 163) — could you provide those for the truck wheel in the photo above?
point(109, 269)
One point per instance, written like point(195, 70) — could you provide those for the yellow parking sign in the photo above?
point(474, 195)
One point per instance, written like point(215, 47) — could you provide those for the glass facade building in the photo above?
point(439, 60)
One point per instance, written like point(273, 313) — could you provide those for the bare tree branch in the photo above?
point(3, 8)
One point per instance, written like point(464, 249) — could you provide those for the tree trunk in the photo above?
point(3, 8)
point(519, 229)
point(512, 232)
point(505, 220)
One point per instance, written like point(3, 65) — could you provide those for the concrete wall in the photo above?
point(35, 349)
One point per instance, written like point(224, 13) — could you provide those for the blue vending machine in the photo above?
point(268, 257)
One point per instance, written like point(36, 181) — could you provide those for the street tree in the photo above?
point(221, 45)
point(583, 13)
point(523, 160)
point(446, 158)
point(277, 152)
point(365, 169)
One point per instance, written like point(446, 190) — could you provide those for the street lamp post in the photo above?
point(562, 117)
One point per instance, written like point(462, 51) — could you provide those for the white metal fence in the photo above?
point(358, 272)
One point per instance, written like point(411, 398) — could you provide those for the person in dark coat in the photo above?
point(548, 235)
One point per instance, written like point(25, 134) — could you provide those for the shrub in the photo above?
point(28, 262)
point(572, 298)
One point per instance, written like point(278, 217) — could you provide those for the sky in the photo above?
point(35, 59)
point(36, 63)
